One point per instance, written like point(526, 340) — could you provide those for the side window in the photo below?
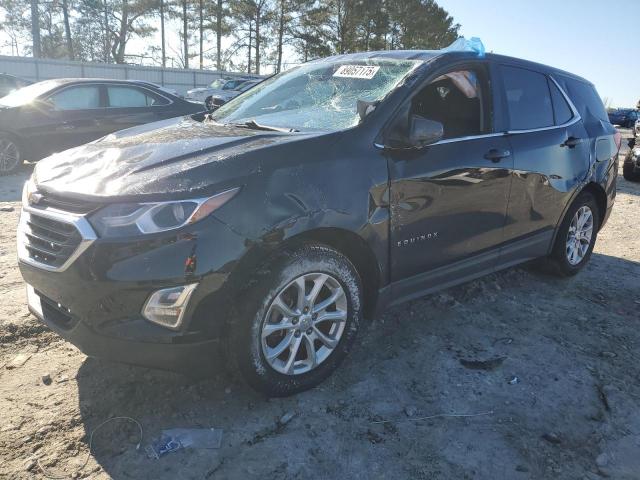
point(123, 97)
point(528, 98)
point(561, 108)
point(587, 101)
point(457, 100)
point(77, 98)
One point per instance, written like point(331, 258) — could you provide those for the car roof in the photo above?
point(67, 81)
point(427, 55)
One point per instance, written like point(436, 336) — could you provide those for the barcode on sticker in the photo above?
point(356, 71)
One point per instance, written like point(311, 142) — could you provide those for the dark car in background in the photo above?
point(54, 115)
point(9, 83)
point(273, 227)
point(624, 117)
point(631, 162)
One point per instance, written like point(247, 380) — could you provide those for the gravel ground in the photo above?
point(548, 367)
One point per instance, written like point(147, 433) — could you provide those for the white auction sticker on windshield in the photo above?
point(366, 72)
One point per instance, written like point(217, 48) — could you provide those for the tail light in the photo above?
point(618, 139)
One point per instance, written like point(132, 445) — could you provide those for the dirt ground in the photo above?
point(558, 398)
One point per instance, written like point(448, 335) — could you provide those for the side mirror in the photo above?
point(423, 132)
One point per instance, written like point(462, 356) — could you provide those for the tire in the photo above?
point(629, 174)
point(564, 259)
point(278, 284)
point(10, 154)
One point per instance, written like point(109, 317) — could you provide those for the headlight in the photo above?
point(129, 219)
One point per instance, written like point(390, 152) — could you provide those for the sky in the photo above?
point(595, 39)
point(591, 38)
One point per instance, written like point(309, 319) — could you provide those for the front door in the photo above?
point(70, 119)
point(449, 199)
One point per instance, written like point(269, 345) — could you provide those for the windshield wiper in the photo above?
point(258, 126)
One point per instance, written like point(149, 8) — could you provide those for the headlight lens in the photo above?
point(129, 219)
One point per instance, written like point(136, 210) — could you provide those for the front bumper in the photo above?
point(188, 355)
point(96, 301)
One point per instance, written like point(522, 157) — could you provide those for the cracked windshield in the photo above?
point(316, 96)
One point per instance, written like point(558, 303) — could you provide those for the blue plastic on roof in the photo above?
point(474, 44)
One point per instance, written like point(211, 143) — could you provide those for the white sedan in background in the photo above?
point(216, 87)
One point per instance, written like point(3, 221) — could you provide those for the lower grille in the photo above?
point(56, 313)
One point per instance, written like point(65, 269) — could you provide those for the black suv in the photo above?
point(275, 225)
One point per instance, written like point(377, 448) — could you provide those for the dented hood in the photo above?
point(178, 158)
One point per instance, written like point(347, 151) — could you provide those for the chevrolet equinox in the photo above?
point(272, 227)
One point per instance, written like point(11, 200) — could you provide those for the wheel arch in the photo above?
point(359, 253)
point(600, 196)
point(242, 274)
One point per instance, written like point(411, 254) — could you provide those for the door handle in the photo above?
point(571, 142)
point(495, 155)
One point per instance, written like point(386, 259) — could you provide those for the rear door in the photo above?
point(129, 106)
point(551, 157)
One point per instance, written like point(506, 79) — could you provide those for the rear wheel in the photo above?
point(10, 155)
point(577, 236)
point(298, 321)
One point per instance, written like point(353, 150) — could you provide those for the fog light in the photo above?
point(166, 307)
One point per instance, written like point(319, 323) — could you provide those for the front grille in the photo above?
point(48, 241)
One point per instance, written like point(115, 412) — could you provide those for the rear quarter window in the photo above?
point(585, 98)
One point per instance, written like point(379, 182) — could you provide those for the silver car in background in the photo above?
point(216, 87)
point(213, 101)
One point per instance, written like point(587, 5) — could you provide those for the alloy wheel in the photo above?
point(304, 323)
point(579, 235)
point(9, 155)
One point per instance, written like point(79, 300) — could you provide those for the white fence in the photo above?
point(44, 69)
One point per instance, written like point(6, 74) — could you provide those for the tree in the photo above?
point(252, 18)
point(420, 24)
point(164, 51)
point(185, 33)
point(67, 29)
point(35, 28)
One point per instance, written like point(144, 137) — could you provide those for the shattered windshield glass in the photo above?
point(318, 95)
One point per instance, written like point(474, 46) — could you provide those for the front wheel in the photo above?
point(10, 155)
point(577, 236)
point(298, 321)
